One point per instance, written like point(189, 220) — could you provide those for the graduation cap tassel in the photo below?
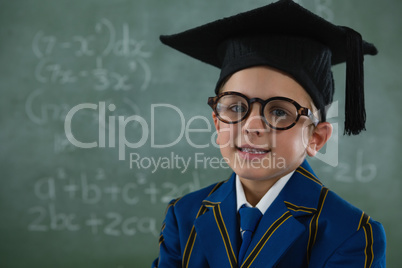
point(355, 113)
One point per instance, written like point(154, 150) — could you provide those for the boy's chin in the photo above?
point(259, 174)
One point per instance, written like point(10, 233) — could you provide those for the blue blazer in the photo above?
point(306, 226)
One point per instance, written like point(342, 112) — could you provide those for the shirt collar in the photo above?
point(267, 199)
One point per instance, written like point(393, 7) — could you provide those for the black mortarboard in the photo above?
point(288, 37)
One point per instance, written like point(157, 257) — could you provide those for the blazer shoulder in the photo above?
point(349, 235)
point(341, 215)
point(193, 201)
point(339, 222)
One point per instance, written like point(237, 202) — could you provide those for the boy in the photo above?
point(272, 93)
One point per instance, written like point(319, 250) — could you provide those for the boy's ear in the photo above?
point(319, 137)
point(216, 121)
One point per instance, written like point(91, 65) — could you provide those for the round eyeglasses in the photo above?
point(279, 113)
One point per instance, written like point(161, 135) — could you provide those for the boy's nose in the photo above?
point(254, 123)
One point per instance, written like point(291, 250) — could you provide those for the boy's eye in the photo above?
point(238, 108)
point(279, 113)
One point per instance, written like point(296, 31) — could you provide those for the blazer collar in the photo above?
point(218, 228)
point(301, 193)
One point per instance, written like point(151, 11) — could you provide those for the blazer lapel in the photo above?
point(218, 228)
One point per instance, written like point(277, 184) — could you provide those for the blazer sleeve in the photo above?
point(366, 248)
point(169, 241)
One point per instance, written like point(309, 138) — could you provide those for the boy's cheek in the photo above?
point(289, 145)
point(224, 139)
point(226, 134)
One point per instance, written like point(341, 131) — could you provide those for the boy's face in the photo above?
point(252, 149)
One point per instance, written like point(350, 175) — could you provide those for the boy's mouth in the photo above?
point(253, 150)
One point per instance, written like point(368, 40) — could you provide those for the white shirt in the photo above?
point(267, 199)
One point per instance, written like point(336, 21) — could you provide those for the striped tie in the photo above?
point(249, 219)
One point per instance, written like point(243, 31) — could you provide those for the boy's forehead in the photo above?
point(265, 82)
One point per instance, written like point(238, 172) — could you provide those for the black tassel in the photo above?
point(355, 113)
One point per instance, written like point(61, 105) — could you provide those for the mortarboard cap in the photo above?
point(288, 37)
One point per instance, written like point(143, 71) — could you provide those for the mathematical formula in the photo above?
point(89, 189)
point(41, 112)
point(55, 67)
point(48, 218)
point(95, 188)
point(347, 172)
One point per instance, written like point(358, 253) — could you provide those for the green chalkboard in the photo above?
point(97, 125)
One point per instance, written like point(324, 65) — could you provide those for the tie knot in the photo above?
point(249, 218)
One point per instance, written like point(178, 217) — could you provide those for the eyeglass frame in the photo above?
point(301, 111)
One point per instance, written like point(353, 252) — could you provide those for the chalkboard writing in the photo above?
point(92, 189)
point(50, 71)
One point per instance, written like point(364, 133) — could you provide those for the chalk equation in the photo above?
point(41, 112)
point(96, 187)
point(351, 172)
point(89, 189)
point(49, 218)
point(124, 53)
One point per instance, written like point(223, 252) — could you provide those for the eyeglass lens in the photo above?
point(277, 113)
